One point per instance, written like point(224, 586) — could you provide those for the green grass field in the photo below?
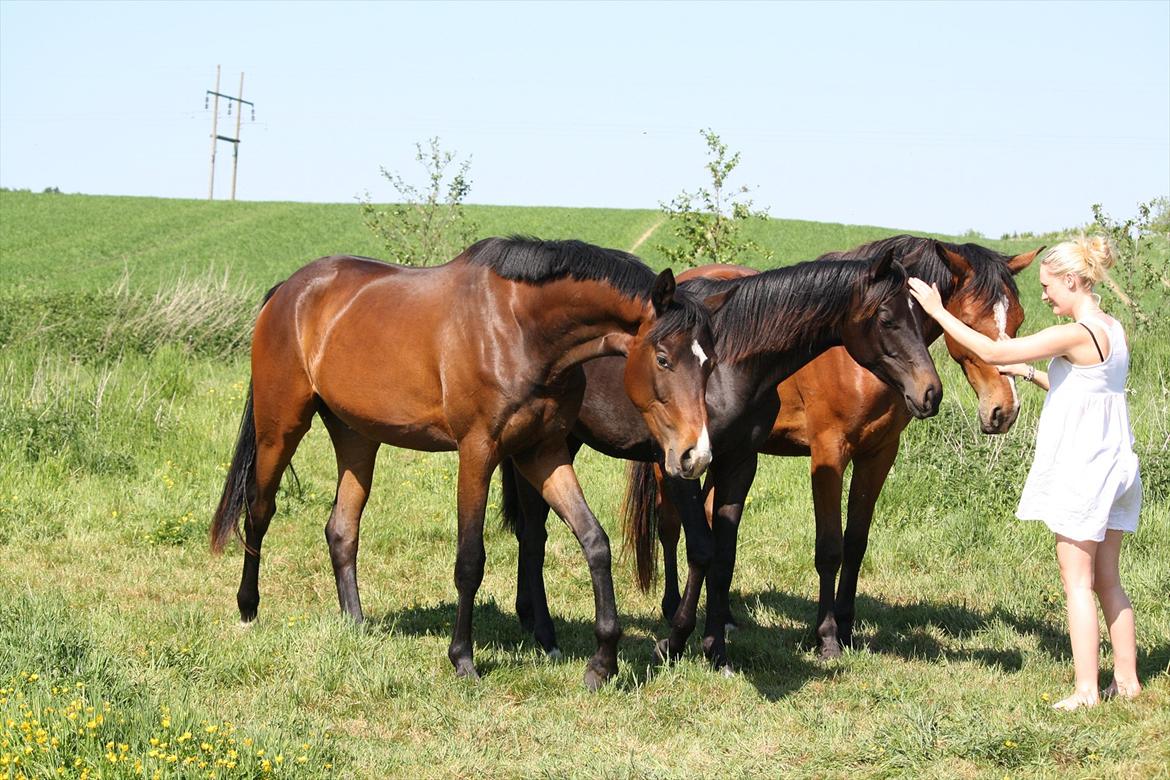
point(123, 325)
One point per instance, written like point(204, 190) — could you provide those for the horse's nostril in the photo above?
point(996, 416)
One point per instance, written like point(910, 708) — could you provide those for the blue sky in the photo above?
point(998, 117)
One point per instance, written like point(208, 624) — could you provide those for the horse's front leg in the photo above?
point(549, 469)
point(869, 476)
point(687, 499)
point(827, 469)
point(477, 460)
point(669, 529)
point(731, 480)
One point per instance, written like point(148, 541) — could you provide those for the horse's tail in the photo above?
point(640, 512)
point(241, 475)
point(509, 497)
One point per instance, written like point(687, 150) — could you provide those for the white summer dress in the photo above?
point(1084, 478)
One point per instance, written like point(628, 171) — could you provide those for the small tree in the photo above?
point(430, 226)
point(1142, 243)
point(707, 222)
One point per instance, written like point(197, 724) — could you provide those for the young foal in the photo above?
point(837, 412)
point(479, 356)
point(771, 325)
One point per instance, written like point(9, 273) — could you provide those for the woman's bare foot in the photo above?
point(1076, 701)
point(1117, 690)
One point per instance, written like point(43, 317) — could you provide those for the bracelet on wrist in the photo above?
point(1031, 375)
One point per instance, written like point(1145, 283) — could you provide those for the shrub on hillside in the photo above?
point(429, 226)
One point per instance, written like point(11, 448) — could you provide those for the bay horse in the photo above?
point(772, 324)
point(838, 413)
point(480, 355)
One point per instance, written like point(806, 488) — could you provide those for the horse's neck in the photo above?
point(580, 327)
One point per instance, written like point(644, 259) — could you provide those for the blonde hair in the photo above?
point(1089, 257)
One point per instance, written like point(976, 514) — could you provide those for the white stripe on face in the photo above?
point(699, 353)
point(1000, 311)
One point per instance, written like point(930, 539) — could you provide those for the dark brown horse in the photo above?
point(837, 412)
point(773, 323)
point(482, 356)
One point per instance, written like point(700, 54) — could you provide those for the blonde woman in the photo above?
point(1084, 482)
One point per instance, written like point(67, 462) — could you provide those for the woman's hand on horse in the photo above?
point(1014, 369)
point(927, 296)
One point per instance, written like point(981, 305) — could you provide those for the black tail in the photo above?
point(640, 512)
point(241, 474)
point(509, 497)
point(240, 477)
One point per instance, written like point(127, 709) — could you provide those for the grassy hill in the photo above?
point(78, 242)
point(123, 365)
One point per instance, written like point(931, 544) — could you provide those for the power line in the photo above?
point(213, 97)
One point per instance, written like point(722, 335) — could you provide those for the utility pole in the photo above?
point(215, 95)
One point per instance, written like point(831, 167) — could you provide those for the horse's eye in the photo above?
point(663, 362)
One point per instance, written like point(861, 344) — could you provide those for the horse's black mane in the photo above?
point(535, 261)
point(917, 254)
point(532, 260)
point(783, 307)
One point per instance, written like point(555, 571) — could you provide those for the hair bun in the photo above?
point(1089, 257)
point(1099, 256)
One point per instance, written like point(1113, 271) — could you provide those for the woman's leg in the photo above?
point(1118, 615)
point(1076, 572)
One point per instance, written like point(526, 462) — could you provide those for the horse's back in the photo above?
point(371, 338)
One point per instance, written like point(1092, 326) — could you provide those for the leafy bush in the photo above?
point(1142, 277)
point(707, 222)
point(427, 227)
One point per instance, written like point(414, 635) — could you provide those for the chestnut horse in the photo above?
point(481, 356)
point(772, 324)
point(835, 411)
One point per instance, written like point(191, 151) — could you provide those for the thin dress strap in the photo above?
point(1094, 338)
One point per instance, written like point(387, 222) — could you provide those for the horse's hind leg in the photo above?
point(282, 418)
point(356, 456)
point(869, 475)
point(531, 597)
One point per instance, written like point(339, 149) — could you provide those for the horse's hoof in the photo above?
point(727, 670)
point(247, 624)
point(554, 654)
point(595, 676)
point(830, 650)
point(465, 668)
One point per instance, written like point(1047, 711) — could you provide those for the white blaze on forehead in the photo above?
point(1000, 311)
point(699, 353)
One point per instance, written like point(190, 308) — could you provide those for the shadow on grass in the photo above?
point(775, 668)
point(777, 661)
point(912, 631)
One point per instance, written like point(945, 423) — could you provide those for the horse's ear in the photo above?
point(1020, 262)
point(717, 301)
point(663, 292)
point(958, 264)
point(880, 265)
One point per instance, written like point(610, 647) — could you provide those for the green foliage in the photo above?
point(1141, 279)
point(428, 226)
point(707, 223)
